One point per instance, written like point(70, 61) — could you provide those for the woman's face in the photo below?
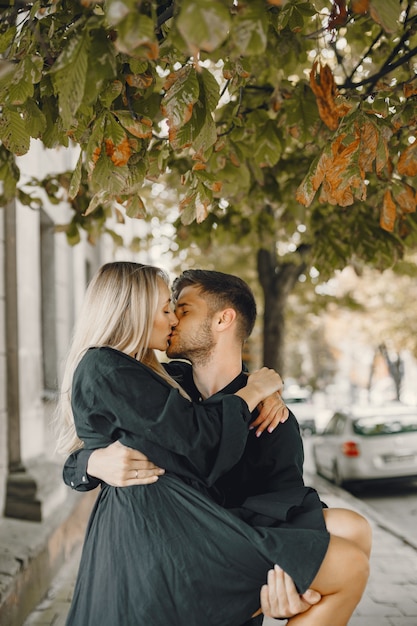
point(165, 319)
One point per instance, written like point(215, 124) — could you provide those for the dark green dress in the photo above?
point(167, 554)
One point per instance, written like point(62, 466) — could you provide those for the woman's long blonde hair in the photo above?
point(118, 311)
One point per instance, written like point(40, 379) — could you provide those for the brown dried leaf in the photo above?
point(119, 154)
point(388, 212)
point(406, 198)
point(359, 6)
point(369, 143)
point(341, 183)
point(407, 163)
point(201, 209)
point(140, 81)
point(410, 89)
point(331, 108)
point(338, 15)
point(340, 180)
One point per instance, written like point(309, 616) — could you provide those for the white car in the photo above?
point(368, 443)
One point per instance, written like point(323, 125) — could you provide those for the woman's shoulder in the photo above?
point(99, 360)
point(102, 362)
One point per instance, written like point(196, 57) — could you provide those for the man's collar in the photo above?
point(182, 372)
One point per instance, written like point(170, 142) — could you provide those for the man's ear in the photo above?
point(225, 318)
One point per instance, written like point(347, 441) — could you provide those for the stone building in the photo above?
point(42, 283)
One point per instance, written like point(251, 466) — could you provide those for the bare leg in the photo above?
point(349, 525)
point(341, 581)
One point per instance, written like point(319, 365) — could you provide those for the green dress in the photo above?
point(166, 553)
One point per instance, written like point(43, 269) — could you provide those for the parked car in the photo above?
point(298, 400)
point(367, 444)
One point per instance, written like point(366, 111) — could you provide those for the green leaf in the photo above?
point(35, 119)
point(101, 65)
point(13, 132)
point(137, 128)
point(97, 200)
point(113, 131)
point(76, 178)
point(54, 134)
point(107, 177)
point(27, 74)
point(135, 207)
point(117, 239)
point(9, 174)
point(209, 89)
point(6, 38)
point(204, 25)
point(93, 149)
point(110, 92)
point(386, 13)
point(268, 145)
point(73, 234)
point(137, 169)
point(249, 29)
point(180, 98)
point(69, 75)
point(6, 72)
point(296, 20)
point(136, 36)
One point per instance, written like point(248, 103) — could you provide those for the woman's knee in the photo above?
point(350, 525)
point(345, 569)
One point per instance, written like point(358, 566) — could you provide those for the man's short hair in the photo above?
point(223, 291)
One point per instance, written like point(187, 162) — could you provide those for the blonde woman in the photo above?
point(166, 553)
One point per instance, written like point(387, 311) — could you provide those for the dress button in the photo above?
point(72, 483)
point(84, 479)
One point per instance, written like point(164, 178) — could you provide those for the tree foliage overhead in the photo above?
point(280, 112)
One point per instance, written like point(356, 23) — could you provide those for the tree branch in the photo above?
point(386, 69)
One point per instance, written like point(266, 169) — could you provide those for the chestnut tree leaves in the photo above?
point(308, 108)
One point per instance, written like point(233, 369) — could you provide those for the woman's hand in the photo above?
point(261, 384)
point(120, 466)
point(272, 411)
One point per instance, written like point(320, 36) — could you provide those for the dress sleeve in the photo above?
point(116, 398)
point(75, 472)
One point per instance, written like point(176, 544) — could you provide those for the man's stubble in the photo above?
point(197, 349)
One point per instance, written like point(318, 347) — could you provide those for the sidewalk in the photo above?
point(390, 598)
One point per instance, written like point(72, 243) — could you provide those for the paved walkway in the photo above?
point(390, 598)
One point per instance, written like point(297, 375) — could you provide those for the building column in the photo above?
point(21, 489)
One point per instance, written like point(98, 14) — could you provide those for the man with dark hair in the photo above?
point(221, 291)
point(216, 314)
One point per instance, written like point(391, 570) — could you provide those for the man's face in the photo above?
point(192, 338)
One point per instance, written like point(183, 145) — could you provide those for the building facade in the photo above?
point(42, 283)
